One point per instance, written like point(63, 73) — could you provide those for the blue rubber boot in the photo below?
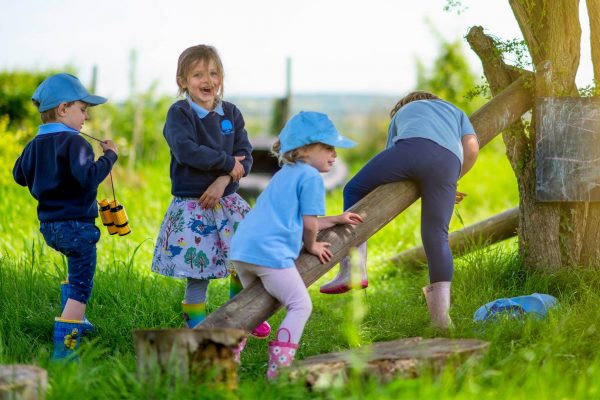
point(67, 336)
point(88, 328)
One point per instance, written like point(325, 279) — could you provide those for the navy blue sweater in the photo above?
point(204, 149)
point(61, 174)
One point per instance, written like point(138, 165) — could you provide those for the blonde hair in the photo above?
point(412, 96)
point(292, 156)
point(190, 57)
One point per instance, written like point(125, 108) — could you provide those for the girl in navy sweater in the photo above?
point(210, 152)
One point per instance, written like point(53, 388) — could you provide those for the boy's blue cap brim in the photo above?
point(63, 88)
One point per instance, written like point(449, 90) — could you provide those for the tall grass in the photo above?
point(553, 358)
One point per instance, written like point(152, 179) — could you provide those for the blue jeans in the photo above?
point(77, 241)
point(435, 170)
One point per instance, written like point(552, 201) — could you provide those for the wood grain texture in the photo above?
point(23, 382)
point(406, 358)
point(193, 354)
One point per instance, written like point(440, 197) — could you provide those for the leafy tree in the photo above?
point(16, 89)
point(450, 77)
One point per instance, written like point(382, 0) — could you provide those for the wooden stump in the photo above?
point(197, 355)
point(405, 358)
point(22, 382)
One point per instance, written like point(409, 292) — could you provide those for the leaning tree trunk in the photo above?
point(552, 234)
point(518, 149)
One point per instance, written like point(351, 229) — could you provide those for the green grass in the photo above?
point(553, 358)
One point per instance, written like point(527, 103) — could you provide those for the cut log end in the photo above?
point(193, 354)
point(406, 358)
point(24, 382)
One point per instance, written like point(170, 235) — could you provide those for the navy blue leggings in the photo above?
point(435, 170)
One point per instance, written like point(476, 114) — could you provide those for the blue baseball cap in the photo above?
point(309, 127)
point(536, 304)
point(63, 88)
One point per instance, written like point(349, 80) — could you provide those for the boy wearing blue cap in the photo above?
point(59, 169)
point(269, 239)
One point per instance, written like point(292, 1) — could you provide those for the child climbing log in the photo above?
point(254, 304)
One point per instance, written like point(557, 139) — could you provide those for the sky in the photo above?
point(335, 46)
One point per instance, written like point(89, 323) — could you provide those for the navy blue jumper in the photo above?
point(61, 174)
point(202, 149)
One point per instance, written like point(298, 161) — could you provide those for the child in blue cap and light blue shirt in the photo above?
point(59, 169)
point(268, 241)
point(432, 143)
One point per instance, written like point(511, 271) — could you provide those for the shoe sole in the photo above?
point(343, 288)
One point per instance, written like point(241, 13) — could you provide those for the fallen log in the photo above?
point(492, 230)
point(253, 304)
point(406, 358)
point(193, 354)
point(23, 382)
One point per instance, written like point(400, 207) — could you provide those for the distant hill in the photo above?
point(340, 107)
point(335, 105)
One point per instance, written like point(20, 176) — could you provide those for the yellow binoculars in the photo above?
point(114, 217)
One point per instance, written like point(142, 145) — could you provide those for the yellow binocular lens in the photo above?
point(114, 217)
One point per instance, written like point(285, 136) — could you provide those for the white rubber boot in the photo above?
point(437, 296)
point(343, 281)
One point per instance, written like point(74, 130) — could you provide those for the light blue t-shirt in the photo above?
point(271, 233)
point(436, 120)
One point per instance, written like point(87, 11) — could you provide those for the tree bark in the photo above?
point(590, 253)
point(194, 354)
point(593, 7)
point(253, 304)
point(552, 235)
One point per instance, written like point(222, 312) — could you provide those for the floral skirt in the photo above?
point(194, 242)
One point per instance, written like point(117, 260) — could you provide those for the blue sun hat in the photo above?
point(536, 304)
point(309, 127)
point(63, 88)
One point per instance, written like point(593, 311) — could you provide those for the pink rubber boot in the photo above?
point(237, 352)
point(262, 331)
point(343, 281)
point(281, 354)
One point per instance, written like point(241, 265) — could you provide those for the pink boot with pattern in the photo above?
point(281, 354)
point(237, 352)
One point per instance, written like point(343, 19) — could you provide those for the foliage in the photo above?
point(514, 51)
point(16, 89)
point(13, 140)
point(455, 5)
point(118, 121)
point(450, 77)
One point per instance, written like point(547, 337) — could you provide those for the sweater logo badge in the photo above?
point(226, 127)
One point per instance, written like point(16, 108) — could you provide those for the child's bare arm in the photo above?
point(309, 236)
point(345, 218)
point(471, 151)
